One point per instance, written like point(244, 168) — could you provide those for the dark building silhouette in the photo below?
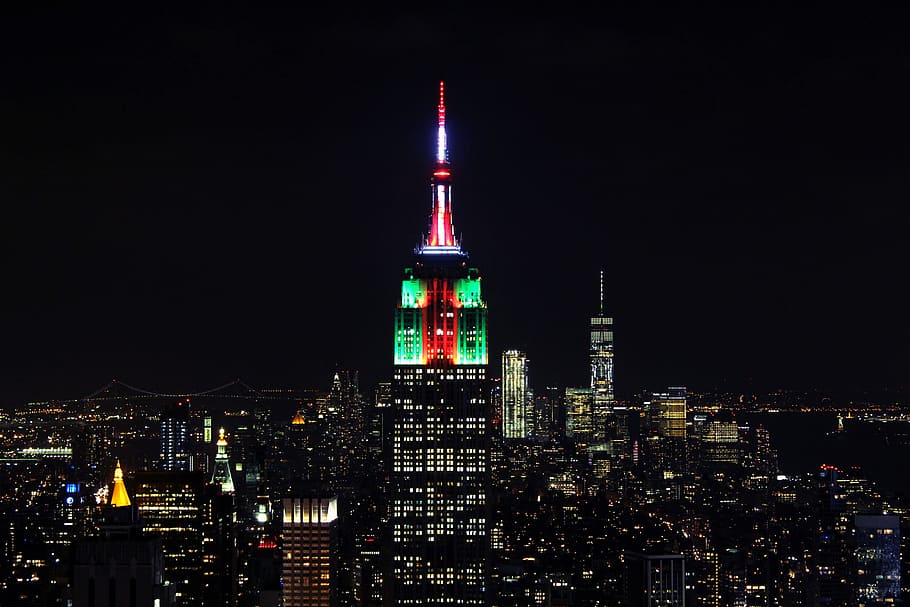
point(123, 566)
point(655, 580)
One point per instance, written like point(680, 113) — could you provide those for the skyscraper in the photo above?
point(175, 421)
point(310, 544)
point(877, 538)
point(517, 405)
point(601, 371)
point(655, 580)
point(440, 476)
point(578, 415)
point(172, 505)
point(670, 409)
point(122, 565)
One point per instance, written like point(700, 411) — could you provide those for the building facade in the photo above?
point(439, 469)
point(655, 580)
point(173, 507)
point(175, 421)
point(309, 568)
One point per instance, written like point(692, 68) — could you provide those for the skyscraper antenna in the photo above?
point(442, 151)
point(601, 291)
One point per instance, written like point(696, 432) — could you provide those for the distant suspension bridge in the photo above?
point(237, 389)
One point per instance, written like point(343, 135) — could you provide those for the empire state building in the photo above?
point(440, 475)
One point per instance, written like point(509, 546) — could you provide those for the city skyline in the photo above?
point(444, 485)
point(170, 227)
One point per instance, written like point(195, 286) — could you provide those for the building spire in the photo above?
point(601, 292)
point(119, 496)
point(442, 232)
point(442, 151)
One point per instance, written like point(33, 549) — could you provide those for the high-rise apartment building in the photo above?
point(440, 475)
point(309, 568)
point(517, 401)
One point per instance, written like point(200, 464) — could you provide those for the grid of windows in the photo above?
point(172, 505)
point(439, 483)
point(310, 545)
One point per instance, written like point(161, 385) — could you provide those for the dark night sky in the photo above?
point(222, 192)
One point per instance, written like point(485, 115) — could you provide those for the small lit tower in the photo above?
point(119, 496)
point(222, 473)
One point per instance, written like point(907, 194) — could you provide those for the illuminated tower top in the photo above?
point(119, 497)
point(442, 233)
point(221, 475)
point(442, 151)
point(441, 318)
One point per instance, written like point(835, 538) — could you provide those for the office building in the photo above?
point(671, 428)
point(579, 423)
point(175, 420)
point(655, 580)
point(122, 565)
point(440, 476)
point(720, 441)
point(601, 372)
point(173, 506)
point(517, 399)
point(309, 568)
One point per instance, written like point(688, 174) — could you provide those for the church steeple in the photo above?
point(119, 496)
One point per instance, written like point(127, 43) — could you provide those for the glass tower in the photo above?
point(439, 475)
point(516, 402)
point(601, 371)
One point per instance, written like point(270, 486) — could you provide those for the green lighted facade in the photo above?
point(441, 320)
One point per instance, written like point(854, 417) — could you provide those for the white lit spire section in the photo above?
point(441, 149)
